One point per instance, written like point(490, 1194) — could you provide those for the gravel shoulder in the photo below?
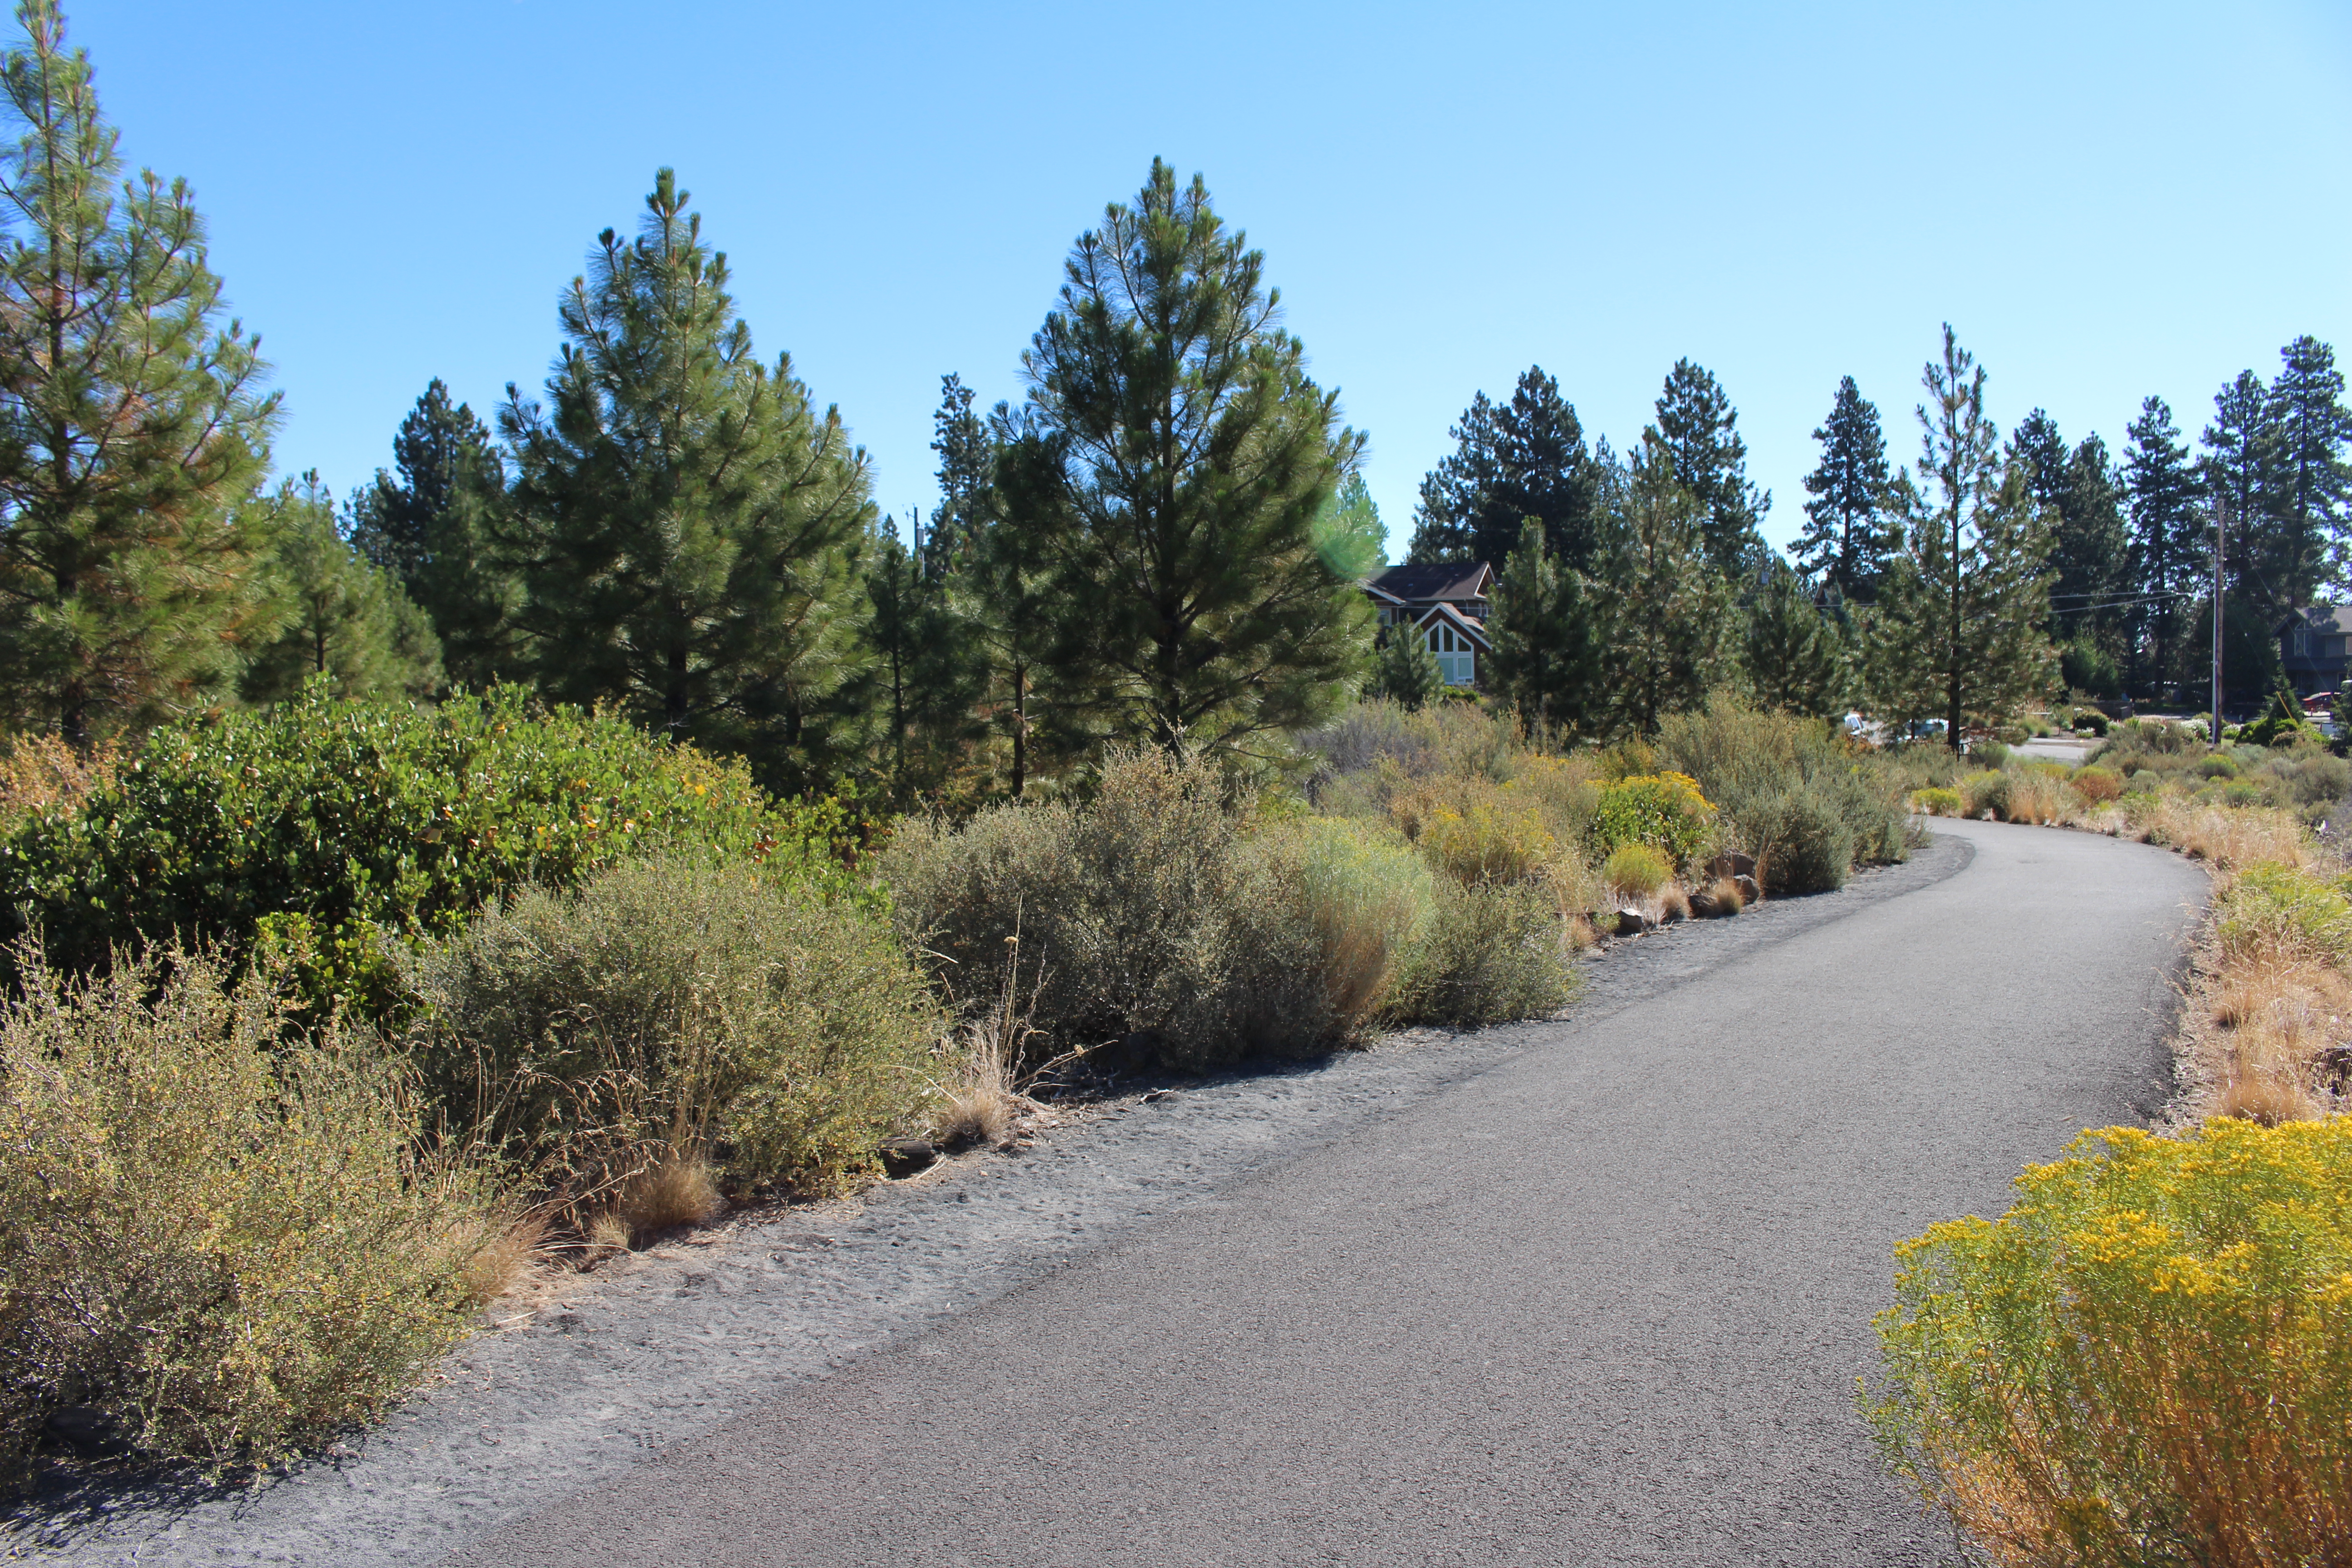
point(677, 1343)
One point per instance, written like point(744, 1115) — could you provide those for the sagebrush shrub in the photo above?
point(218, 1233)
point(328, 829)
point(1338, 911)
point(673, 1007)
point(1490, 954)
point(1987, 791)
point(2146, 1360)
point(1750, 763)
point(1800, 839)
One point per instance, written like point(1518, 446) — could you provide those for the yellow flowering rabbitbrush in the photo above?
point(2147, 1359)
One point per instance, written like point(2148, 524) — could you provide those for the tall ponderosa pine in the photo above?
point(433, 525)
point(1791, 651)
point(343, 617)
point(692, 521)
point(1512, 461)
point(921, 645)
point(132, 432)
point(1698, 436)
point(1668, 609)
point(1846, 537)
point(1177, 456)
point(2238, 467)
point(1546, 660)
point(967, 478)
point(1961, 620)
point(2311, 491)
point(2081, 501)
point(2167, 541)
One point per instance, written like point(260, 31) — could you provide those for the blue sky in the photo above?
point(2105, 200)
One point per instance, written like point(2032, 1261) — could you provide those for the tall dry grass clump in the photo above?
point(671, 1022)
point(2226, 836)
point(216, 1235)
point(2146, 1360)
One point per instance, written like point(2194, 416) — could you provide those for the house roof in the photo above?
point(2318, 618)
point(1448, 580)
point(1459, 622)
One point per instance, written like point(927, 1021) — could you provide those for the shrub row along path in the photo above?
point(1594, 1291)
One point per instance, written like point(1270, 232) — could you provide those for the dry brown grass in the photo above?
point(508, 1258)
point(677, 1189)
point(2229, 837)
point(1674, 904)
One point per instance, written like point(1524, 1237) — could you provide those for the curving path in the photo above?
point(1602, 1302)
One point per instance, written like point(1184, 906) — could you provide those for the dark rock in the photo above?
point(1706, 906)
point(1734, 865)
point(88, 1429)
point(905, 1157)
point(1748, 892)
point(1157, 1095)
point(1631, 922)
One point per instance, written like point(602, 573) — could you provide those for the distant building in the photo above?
point(1448, 603)
point(2312, 645)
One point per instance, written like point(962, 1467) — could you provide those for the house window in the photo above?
point(1454, 655)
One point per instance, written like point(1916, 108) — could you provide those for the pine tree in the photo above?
point(2310, 428)
point(1961, 622)
point(1546, 660)
point(2082, 501)
point(343, 617)
point(1668, 610)
point(1349, 534)
point(1846, 537)
point(1406, 671)
point(1512, 461)
point(921, 662)
point(133, 430)
point(435, 529)
point(1178, 455)
point(966, 474)
point(2168, 548)
point(1698, 436)
point(2239, 469)
point(1016, 602)
point(1792, 652)
point(693, 522)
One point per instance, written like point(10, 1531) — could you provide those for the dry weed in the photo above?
point(2227, 836)
point(507, 1258)
point(677, 1189)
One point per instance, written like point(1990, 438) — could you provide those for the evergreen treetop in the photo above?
point(1511, 461)
point(2310, 432)
point(692, 520)
point(1698, 438)
point(133, 429)
point(1846, 537)
point(1177, 455)
point(1545, 659)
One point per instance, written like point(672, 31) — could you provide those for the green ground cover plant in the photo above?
point(219, 1235)
point(328, 832)
point(2147, 1360)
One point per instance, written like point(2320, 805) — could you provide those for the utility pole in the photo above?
point(2220, 527)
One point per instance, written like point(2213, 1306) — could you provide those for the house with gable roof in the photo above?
point(1449, 602)
point(2315, 647)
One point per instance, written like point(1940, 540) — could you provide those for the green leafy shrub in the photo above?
point(1988, 755)
point(325, 828)
point(2241, 792)
point(2146, 1360)
point(1666, 811)
point(1938, 802)
point(1637, 869)
point(1987, 792)
point(2218, 766)
point(668, 1007)
point(2091, 722)
point(215, 1234)
point(1497, 837)
point(1490, 954)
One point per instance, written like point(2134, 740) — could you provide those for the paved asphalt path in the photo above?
point(1604, 1303)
